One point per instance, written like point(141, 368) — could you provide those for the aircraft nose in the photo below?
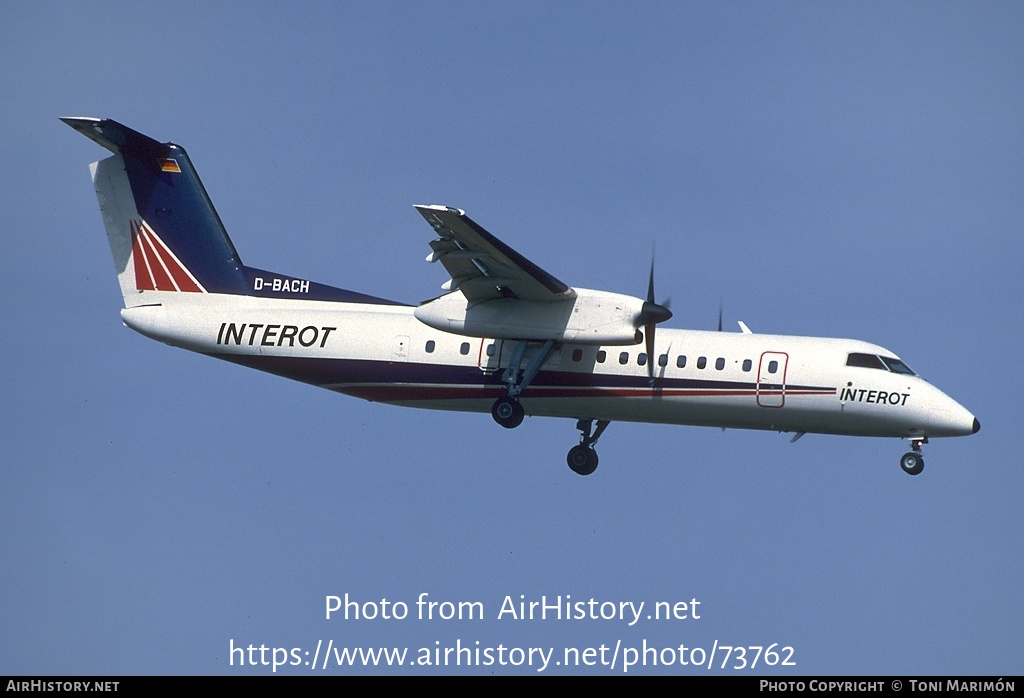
point(949, 418)
point(960, 422)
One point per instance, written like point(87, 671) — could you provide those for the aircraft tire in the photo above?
point(582, 459)
point(508, 412)
point(912, 463)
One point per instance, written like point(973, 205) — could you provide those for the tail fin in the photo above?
point(163, 229)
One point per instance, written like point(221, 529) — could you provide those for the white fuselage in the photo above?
point(721, 379)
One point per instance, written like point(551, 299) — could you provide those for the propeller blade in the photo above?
point(649, 339)
point(651, 313)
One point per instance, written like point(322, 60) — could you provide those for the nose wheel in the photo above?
point(582, 458)
point(912, 462)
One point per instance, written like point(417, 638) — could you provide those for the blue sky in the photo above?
point(834, 169)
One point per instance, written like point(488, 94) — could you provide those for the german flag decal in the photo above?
point(170, 165)
point(156, 267)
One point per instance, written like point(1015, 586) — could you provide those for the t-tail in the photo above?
point(165, 233)
point(163, 230)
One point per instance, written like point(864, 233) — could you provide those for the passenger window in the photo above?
point(702, 362)
point(641, 359)
point(464, 349)
point(773, 366)
point(719, 363)
point(601, 356)
point(430, 346)
point(624, 358)
point(747, 364)
point(577, 354)
point(663, 360)
point(491, 348)
point(680, 361)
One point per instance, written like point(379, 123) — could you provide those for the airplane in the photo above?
point(505, 336)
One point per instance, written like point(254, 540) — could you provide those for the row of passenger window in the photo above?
point(624, 358)
point(702, 361)
point(886, 363)
point(463, 348)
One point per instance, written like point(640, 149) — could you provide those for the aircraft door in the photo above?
point(771, 379)
point(489, 358)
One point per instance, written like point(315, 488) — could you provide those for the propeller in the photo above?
point(651, 313)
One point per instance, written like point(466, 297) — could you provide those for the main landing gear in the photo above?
point(582, 459)
point(507, 410)
point(912, 462)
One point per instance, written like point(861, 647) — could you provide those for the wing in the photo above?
point(482, 266)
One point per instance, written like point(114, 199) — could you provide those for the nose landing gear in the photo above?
point(912, 462)
point(582, 458)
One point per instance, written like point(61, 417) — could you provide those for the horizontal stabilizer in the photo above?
point(114, 136)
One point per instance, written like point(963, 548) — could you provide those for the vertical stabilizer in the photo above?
point(164, 232)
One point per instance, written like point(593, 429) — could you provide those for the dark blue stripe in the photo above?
point(314, 292)
point(326, 371)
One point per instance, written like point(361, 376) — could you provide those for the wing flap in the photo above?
point(482, 266)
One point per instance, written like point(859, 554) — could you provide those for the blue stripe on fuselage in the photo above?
point(359, 377)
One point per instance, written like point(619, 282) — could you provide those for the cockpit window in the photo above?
point(885, 363)
point(865, 361)
point(897, 366)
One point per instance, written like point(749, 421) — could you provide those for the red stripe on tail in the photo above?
point(143, 278)
point(156, 267)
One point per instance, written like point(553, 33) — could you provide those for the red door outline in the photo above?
point(771, 385)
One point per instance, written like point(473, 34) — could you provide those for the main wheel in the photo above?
point(912, 463)
point(582, 459)
point(508, 412)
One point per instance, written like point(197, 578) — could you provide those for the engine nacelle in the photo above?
point(592, 317)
